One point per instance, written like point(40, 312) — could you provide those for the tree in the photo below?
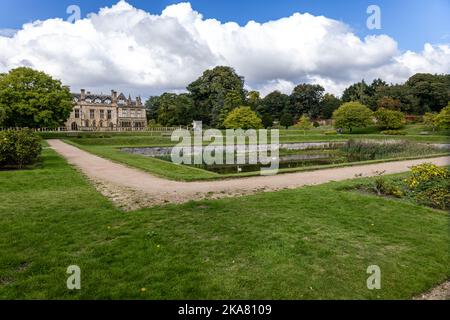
point(364, 93)
point(253, 99)
point(430, 119)
point(243, 118)
point(152, 106)
point(306, 99)
point(33, 99)
point(389, 103)
point(274, 104)
point(210, 91)
point(329, 104)
point(432, 91)
point(233, 99)
point(267, 120)
point(352, 115)
point(443, 118)
point(304, 123)
point(358, 92)
point(171, 109)
point(389, 119)
point(401, 93)
point(286, 120)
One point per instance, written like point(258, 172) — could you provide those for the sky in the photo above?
point(147, 47)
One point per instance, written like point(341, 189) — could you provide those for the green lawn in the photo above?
point(309, 243)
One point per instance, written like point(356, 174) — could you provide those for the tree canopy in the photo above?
point(389, 119)
point(242, 118)
point(220, 90)
point(210, 91)
point(29, 98)
point(352, 115)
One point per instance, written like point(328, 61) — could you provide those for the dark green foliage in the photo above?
point(19, 148)
point(274, 104)
point(286, 120)
point(329, 104)
point(306, 99)
point(211, 91)
point(267, 120)
point(432, 91)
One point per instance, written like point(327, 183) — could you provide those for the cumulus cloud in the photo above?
point(127, 48)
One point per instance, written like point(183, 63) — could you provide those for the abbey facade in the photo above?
point(106, 112)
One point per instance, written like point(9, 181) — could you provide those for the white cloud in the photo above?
point(133, 50)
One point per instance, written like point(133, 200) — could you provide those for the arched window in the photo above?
point(111, 126)
point(100, 124)
point(87, 123)
point(74, 126)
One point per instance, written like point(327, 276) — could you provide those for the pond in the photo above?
point(307, 154)
point(291, 155)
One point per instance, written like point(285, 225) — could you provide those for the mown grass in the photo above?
point(309, 243)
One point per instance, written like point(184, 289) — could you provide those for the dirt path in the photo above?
point(441, 292)
point(132, 188)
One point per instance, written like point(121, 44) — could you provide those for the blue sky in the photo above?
point(411, 23)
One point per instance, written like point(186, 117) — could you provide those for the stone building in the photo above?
point(106, 112)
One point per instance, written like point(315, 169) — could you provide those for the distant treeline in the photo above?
point(211, 97)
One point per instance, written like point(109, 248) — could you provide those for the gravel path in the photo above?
point(114, 179)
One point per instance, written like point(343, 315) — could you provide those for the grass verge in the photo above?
point(309, 243)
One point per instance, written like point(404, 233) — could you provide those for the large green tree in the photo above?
point(209, 92)
point(306, 99)
point(352, 115)
point(432, 91)
point(364, 93)
point(171, 109)
point(329, 104)
point(273, 104)
point(29, 98)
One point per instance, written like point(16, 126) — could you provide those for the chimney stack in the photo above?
point(83, 94)
point(114, 95)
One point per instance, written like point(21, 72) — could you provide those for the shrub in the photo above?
point(383, 186)
point(352, 115)
point(19, 148)
point(443, 118)
point(389, 119)
point(429, 185)
point(393, 133)
point(243, 118)
point(304, 123)
point(330, 133)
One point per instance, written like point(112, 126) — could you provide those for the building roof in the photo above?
point(105, 97)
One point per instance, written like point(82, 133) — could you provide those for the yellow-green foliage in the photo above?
point(443, 118)
point(352, 115)
point(389, 119)
point(425, 173)
point(242, 118)
point(429, 184)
